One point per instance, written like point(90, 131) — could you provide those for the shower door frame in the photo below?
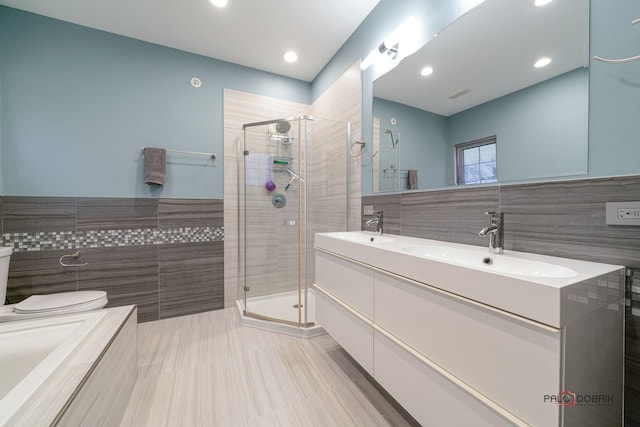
point(302, 237)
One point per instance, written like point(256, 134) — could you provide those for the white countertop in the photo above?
point(554, 301)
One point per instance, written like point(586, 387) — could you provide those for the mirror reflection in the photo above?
point(501, 94)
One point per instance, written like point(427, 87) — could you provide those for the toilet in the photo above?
point(44, 305)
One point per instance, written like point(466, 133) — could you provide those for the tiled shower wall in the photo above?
point(564, 218)
point(165, 255)
point(327, 179)
point(241, 108)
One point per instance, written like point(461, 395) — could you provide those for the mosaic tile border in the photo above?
point(51, 240)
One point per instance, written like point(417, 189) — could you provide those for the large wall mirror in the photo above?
point(472, 106)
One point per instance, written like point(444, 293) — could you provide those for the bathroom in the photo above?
point(77, 104)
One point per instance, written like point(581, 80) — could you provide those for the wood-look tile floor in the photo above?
point(207, 370)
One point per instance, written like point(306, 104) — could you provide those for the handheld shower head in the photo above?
point(393, 142)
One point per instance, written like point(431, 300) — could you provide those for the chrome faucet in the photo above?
point(378, 221)
point(495, 230)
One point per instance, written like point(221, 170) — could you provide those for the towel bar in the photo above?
point(197, 153)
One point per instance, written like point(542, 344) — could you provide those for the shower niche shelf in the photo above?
point(281, 161)
point(279, 139)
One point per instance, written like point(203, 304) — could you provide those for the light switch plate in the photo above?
point(623, 213)
point(369, 210)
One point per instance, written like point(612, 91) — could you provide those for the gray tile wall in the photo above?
point(564, 218)
point(165, 255)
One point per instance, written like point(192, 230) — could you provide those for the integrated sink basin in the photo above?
point(499, 263)
point(546, 289)
point(363, 237)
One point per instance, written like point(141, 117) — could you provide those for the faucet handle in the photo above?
point(495, 217)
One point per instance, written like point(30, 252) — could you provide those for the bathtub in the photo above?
point(31, 351)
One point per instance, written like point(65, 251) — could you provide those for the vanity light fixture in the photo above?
point(391, 43)
point(542, 62)
point(290, 56)
point(542, 2)
point(219, 3)
point(390, 50)
point(426, 71)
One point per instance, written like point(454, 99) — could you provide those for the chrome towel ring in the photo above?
point(75, 255)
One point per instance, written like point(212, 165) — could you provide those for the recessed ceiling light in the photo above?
point(542, 2)
point(426, 71)
point(219, 3)
point(290, 56)
point(542, 62)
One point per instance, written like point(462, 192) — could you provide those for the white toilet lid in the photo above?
point(5, 251)
point(44, 303)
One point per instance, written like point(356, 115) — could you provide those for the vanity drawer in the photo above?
point(353, 332)
point(350, 282)
point(506, 358)
point(430, 397)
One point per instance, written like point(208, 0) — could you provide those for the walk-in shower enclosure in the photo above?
point(293, 176)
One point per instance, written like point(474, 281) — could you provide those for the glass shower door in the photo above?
point(273, 219)
point(294, 182)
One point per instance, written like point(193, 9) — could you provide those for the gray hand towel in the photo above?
point(155, 165)
point(412, 179)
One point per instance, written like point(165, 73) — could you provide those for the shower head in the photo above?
point(283, 127)
point(394, 142)
point(278, 132)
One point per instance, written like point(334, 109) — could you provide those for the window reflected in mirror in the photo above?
point(476, 162)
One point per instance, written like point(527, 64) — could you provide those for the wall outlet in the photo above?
point(369, 210)
point(623, 213)
point(628, 213)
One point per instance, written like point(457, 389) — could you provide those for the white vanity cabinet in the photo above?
point(450, 360)
point(353, 331)
point(351, 283)
point(506, 358)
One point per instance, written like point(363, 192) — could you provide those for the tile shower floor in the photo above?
point(207, 370)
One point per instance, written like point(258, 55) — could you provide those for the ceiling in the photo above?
point(489, 53)
point(254, 33)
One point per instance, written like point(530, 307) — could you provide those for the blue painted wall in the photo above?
point(541, 130)
point(423, 140)
point(1, 186)
point(76, 104)
point(614, 108)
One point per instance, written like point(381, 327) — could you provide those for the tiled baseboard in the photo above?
point(165, 255)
